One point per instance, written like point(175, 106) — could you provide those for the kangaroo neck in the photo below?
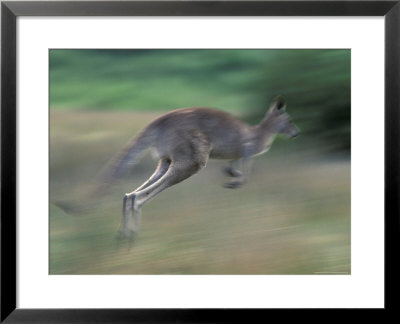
point(266, 127)
point(264, 135)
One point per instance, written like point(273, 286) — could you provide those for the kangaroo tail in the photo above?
point(126, 158)
point(115, 169)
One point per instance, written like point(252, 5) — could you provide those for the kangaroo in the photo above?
point(184, 140)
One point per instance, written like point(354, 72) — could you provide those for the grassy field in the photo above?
point(292, 217)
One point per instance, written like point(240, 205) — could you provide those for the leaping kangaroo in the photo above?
point(184, 140)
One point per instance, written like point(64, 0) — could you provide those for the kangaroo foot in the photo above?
point(232, 172)
point(126, 235)
point(125, 238)
point(233, 184)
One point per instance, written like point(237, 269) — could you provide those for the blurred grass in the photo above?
point(292, 217)
point(146, 79)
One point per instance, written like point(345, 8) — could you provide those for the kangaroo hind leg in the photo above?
point(130, 222)
point(184, 160)
point(178, 171)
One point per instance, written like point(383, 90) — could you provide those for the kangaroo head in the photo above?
point(280, 120)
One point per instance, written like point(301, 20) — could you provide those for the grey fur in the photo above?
point(184, 140)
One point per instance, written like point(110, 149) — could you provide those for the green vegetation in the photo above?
point(153, 79)
point(315, 83)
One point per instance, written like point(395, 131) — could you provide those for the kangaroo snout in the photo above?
point(293, 131)
point(294, 134)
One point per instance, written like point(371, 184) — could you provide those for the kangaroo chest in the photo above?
point(225, 150)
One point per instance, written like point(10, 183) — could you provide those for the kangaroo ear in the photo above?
point(279, 103)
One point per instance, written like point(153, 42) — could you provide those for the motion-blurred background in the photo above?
point(291, 217)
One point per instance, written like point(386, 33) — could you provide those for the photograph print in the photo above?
point(200, 161)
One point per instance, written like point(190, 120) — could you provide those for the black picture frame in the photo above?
point(11, 10)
